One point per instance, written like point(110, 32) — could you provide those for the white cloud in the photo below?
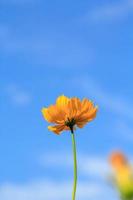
point(54, 190)
point(56, 159)
point(88, 165)
point(18, 96)
point(57, 49)
point(113, 11)
point(94, 166)
point(48, 189)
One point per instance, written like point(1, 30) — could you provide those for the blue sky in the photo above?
point(75, 48)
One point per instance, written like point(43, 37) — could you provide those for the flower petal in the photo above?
point(46, 115)
point(86, 105)
point(62, 102)
point(88, 115)
point(57, 128)
point(52, 114)
point(81, 124)
point(74, 107)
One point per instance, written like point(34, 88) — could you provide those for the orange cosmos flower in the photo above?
point(68, 113)
point(123, 175)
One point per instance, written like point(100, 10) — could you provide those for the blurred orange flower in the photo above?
point(118, 160)
point(123, 175)
point(68, 113)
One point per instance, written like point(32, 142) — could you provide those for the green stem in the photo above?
point(75, 166)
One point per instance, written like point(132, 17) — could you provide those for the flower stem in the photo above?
point(75, 166)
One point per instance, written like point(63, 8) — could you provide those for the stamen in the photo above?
point(70, 123)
